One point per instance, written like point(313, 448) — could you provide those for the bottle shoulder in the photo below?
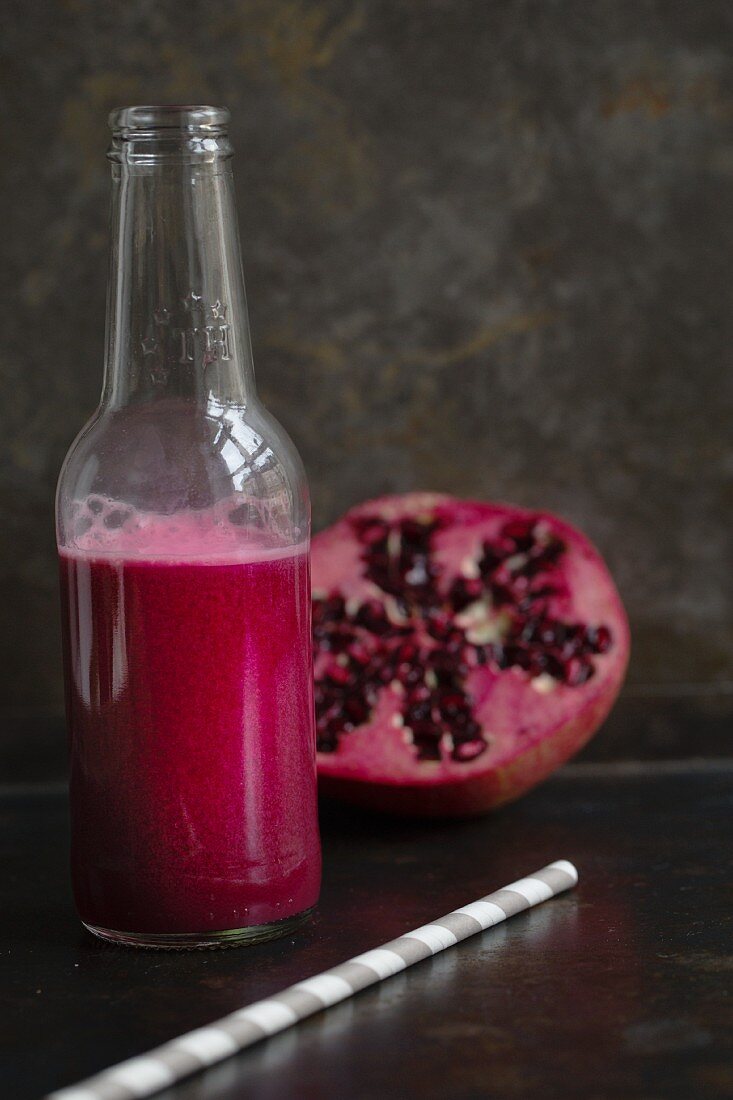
point(175, 455)
point(80, 450)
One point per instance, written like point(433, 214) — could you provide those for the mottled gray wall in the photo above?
point(488, 250)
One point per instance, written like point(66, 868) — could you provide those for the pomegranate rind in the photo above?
point(530, 732)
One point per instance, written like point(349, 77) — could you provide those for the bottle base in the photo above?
point(202, 941)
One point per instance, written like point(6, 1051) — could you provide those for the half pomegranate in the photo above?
point(463, 650)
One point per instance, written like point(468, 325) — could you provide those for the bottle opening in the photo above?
point(168, 118)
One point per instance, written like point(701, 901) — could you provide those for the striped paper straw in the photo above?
point(198, 1049)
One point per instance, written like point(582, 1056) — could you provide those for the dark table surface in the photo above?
point(622, 988)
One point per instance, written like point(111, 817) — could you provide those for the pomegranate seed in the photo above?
point(520, 531)
point(554, 666)
point(499, 656)
point(372, 616)
point(339, 641)
point(409, 675)
point(427, 750)
point(528, 631)
point(452, 704)
point(378, 561)
point(600, 639)
point(455, 641)
point(464, 591)
point(417, 574)
point(356, 709)
point(408, 651)
point(521, 656)
point(490, 560)
point(537, 662)
point(374, 532)
point(440, 626)
point(578, 671)
point(468, 750)
point(426, 728)
point(338, 675)
point(543, 592)
point(415, 533)
point(359, 655)
point(547, 633)
point(501, 595)
point(418, 714)
point(370, 693)
point(420, 693)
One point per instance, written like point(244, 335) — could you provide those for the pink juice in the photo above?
point(193, 786)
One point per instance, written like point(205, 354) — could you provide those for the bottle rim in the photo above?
point(183, 118)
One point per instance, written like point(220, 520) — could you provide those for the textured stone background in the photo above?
point(488, 250)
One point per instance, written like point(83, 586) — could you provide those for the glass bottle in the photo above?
point(183, 527)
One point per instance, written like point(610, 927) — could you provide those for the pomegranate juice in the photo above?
point(193, 794)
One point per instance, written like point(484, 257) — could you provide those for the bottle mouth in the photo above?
point(168, 119)
point(150, 136)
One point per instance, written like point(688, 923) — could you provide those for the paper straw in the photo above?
point(172, 1062)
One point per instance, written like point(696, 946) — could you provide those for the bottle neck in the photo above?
point(176, 310)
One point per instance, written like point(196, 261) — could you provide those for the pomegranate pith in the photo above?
point(462, 651)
